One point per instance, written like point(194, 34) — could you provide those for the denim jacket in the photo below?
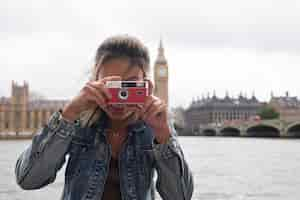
point(89, 157)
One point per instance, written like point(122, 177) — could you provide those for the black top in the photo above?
point(112, 185)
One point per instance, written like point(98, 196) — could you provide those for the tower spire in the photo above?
point(161, 59)
point(161, 43)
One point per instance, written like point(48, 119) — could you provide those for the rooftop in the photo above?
point(225, 101)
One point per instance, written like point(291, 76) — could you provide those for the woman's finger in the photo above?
point(152, 108)
point(160, 109)
point(150, 86)
point(148, 103)
point(111, 78)
point(90, 91)
point(101, 88)
point(92, 98)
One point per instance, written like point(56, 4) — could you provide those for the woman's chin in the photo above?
point(117, 112)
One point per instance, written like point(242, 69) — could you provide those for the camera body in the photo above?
point(127, 92)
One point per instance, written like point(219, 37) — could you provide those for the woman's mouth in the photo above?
point(116, 108)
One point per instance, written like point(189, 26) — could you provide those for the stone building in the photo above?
point(19, 113)
point(287, 106)
point(214, 110)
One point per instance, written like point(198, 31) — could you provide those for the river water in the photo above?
point(223, 168)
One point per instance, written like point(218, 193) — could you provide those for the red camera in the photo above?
point(127, 92)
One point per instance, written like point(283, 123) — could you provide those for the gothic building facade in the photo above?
point(214, 110)
point(18, 113)
point(287, 106)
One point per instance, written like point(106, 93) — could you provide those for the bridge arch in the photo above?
point(263, 130)
point(230, 131)
point(293, 130)
point(209, 132)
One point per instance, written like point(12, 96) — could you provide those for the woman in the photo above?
point(113, 150)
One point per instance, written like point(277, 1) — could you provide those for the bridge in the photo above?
point(262, 128)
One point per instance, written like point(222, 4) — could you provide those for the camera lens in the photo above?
point(123, 94)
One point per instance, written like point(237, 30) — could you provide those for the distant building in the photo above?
point(218, 110)
point(20, 113)
point(287, 106)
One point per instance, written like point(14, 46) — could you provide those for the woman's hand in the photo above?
point(155, 113)
point(93, 94)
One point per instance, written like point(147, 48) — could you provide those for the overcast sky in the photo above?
point(233, 45)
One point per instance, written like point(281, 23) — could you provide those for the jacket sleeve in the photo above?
point(38, 163)
point(174, 177)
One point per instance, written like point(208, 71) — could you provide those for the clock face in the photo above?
point(162, 72)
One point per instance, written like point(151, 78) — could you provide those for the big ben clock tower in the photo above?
point(161, 75)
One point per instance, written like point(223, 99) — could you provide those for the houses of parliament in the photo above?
point(19, 113)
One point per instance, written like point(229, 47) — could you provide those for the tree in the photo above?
point(268, 112)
